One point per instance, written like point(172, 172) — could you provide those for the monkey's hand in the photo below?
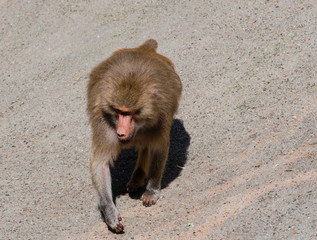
point(150, 197)
point(112, 218)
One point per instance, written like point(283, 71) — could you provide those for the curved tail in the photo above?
point(149, 45)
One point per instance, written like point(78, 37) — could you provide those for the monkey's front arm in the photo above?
point(101, 177)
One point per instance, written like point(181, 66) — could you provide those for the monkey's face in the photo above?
point(129, 110)
point(127, 122)
point(125, 127)
point(124, 121)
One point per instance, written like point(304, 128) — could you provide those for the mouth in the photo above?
point(124, 140)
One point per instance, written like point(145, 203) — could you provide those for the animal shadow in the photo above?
point(177, 157)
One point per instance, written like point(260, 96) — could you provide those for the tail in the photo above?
point(149, 45)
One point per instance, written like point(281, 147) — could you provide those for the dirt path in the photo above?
point(243, 161)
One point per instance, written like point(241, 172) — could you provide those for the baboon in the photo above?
point(132, 99)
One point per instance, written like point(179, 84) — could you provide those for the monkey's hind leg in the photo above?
point(139, 174)
point(157, 165)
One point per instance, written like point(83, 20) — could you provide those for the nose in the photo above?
point(121, 132)
point(121, 135)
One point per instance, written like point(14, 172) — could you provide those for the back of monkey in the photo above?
point(149, 74)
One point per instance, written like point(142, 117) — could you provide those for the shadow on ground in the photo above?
point(177, 158)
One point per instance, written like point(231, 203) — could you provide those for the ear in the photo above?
point(154, 92)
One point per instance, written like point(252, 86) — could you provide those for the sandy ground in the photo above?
point(243, 161)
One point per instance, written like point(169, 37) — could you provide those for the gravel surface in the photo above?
point(243, 161)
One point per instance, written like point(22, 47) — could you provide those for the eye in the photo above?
point(137, 112)
point(125, 112)
point(113, 109)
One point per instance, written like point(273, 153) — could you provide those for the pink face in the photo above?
point(126, 124)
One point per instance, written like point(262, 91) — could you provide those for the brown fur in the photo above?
point(145, 85)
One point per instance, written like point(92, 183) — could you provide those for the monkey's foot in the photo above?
point(149, 198)
point(136, 182)
point(133, 186)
